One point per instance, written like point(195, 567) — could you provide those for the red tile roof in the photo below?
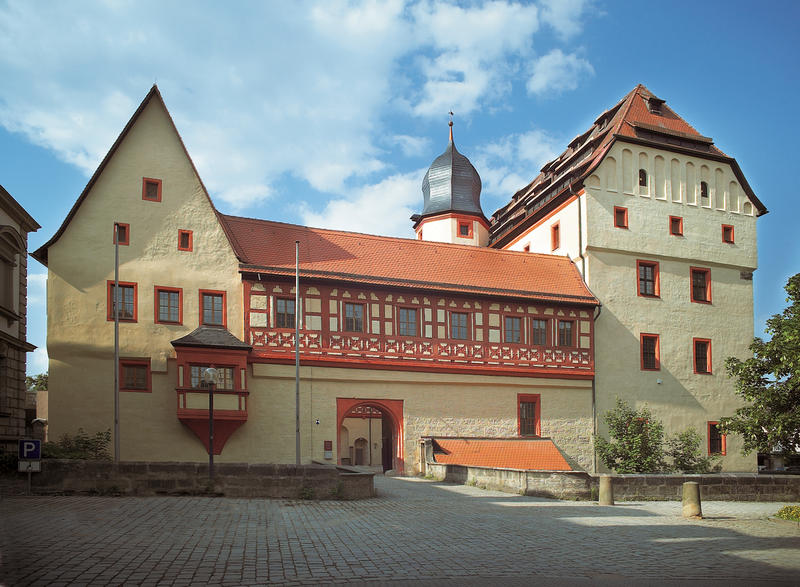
point(535, 454)
point(268, 247)
point(630, 119)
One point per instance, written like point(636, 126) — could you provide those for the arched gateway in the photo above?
point(392, 429)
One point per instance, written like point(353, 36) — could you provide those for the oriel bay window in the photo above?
point(353, 317)
point(459, 329)
point(539, 332)
point(169, 302)
point(513, 329)
point(565, 333)
point(212, 308)
point(224, 376)
point(284, 313)
point(127, 301)
point(407, 322)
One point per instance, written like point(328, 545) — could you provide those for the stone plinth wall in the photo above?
point(230, 479)
point(579, 485)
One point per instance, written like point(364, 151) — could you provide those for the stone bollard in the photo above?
point(691, 500)
point(606, 490)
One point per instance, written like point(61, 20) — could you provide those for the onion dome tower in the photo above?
point(452, 210)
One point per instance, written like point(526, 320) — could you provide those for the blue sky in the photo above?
point(328, 113)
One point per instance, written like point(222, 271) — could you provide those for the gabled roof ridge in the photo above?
point(416, 242)
point(41, 253)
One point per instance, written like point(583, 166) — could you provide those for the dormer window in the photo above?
point(654, 105)
point(643, 178)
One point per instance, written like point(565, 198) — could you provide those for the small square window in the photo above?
point(620, 217)
point(134, 375)
point(676, 225)
point(353, 317)
point(284, 313)
point(459, 328)
point(122, 233)
point(212, 308)
point(727, 233)
point(701, 285)
point(716, 440)
point(169, 305)
point(513, 329)
point(702, 356)
point(565, 333)
point(648, 278)
point(185, 240)
point(151, 189)
point(555, 236)
point(650, 353)
point(464, 229)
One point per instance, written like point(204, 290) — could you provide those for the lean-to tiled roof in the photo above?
point(532, 454)
point(211, 337)
point(640, 117)
point(268, 247)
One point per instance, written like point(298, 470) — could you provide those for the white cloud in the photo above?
point(565, 16)
point(410, 146)
point(556, 72)
point(38, 362)
point(383, 208)
point(37, 289)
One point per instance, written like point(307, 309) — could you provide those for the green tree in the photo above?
point(36, 382)
point(769, 382)
point(687, 456)
point(637, 444)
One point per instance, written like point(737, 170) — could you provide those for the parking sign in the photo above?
point(30, 450)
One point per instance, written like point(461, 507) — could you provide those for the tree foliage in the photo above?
point(81, 445)
point(36, 382)
point(637, 444)
point(687, 456)
point(769, 382)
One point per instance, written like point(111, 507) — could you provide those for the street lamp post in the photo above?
point(210, 377)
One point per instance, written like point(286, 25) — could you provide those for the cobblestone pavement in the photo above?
point(415, 531)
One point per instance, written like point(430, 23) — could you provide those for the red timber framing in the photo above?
point(323, 340)
point(391, 409)
point(230, 405)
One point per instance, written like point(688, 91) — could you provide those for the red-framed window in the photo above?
point(134, 375)
point(648, 282)
point(407, 321)
point(566, 334)
point(529, 414)
point(459, 325)
point(701, 285)
point(620, 217)
point(512, 329)
point(465, 228)
point(185, 240)
point(353, 317)
point(121, 232)
point(676, 226)
point(151, 189)
point(716, 440)
point(539, 328)
point(727, 233)
point(284, 313)
point(650, 352)
point(555, 236)
point(168, 305)
point(702, 355)
point(128, 304)
point(213, 304)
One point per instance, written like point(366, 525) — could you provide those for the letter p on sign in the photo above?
point(30, 450)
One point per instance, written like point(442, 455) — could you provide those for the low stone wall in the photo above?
point(230, 480)
point(579, 485)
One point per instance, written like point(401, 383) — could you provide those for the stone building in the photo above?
point(15, 224)
point(474, 334)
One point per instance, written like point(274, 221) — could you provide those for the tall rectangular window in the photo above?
point(648, 278)
point(565, 333)
point(702, 355)
point(539, 332)
point(716, 440)
point(676, 225)
point(284, 313)
point(528, 414)
point(151, 189)
point(458, 325)
point(127, 301)
point(212, 308)
point(407, 322)
point(513, 329)
point(353, 317)
point(185, 240)
point(620, 217)
point(650, 351)
point(555, 236)
point(122, 233)
point(727, 233)
point(701, 285)
point(169, 302)
point(224, 377)
point(134, 375)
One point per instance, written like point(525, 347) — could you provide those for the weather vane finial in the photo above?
point(450, 124)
